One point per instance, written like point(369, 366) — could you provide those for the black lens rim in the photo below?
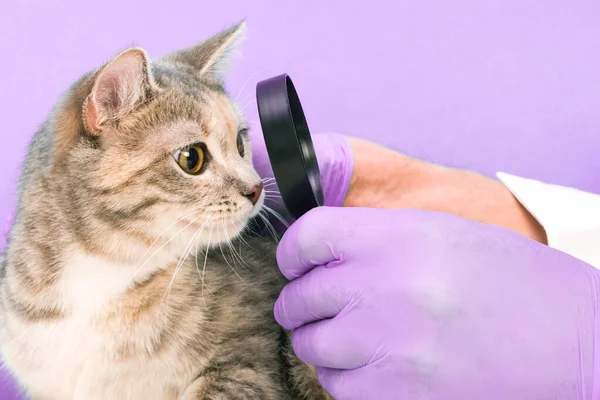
point(289, 145)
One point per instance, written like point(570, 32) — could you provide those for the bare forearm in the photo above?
point(385, 179)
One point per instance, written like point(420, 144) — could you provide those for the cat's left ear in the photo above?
point(119, 87)
point(212, 57)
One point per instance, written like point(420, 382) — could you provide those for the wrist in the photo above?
point(383, 178)
point(482, 199)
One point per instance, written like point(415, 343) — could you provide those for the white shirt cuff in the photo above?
point(570, 217)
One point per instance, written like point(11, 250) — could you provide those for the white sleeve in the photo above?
point(571, 217)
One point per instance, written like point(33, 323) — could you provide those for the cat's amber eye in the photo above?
point(191, 159)
point(240, 143)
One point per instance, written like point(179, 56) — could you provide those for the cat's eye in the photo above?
point(191, 159)
point(240, 143)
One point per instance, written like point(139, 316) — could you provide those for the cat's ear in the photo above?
point(213, 56)
point(119, 87)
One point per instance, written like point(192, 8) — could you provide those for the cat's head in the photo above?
point(143, 149)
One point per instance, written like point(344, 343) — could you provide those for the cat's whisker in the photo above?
point(245, 83)
point(252, 231)
point(245, 226)
point(225, 236)
point(269, 179)
point(275, 199)
point(182, 259)
point(223, 254)
point(246, 102)
point(277, 215)
point(241, 239)
point(204, 266)
point(229, 243)
point(269, 226)
point(156, 252)
point(243, 105)
point(179, 219)
point(196, 259)
point(238, 253)
point(235, 255)
point(139, 268)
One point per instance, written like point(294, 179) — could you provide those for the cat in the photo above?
point(114, 284)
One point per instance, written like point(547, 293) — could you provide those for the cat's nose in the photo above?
point(254, 194)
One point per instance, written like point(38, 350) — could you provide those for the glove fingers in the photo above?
point(320, 294)
point(336, 383)
point(334, 343)
point(313, 240)
point(365, 383)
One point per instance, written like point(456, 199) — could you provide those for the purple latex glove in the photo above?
point(409, 304)
point(335, 160)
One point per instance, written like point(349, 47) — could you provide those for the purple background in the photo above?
point(510, 85)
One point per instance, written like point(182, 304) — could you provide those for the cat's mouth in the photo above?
point(219, 226)
point(226, 230)
point(231, 226)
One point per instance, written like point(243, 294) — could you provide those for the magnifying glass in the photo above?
point(289, 145)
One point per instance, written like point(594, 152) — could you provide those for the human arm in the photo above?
point(565, 218)
point(384, 178)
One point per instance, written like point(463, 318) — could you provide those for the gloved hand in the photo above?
point(409, 304)
point(335, 160)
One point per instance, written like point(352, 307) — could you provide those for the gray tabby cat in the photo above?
point(108, 288)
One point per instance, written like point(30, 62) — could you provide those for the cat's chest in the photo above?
point(87, 286)
point(88, 283)
point(77, 360)
point(107, 325)
point(50, 356)
point(121, 311)
point(90, 289)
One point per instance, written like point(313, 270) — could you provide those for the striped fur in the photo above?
point(119, 280)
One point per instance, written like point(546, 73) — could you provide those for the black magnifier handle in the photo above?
point(289, 145)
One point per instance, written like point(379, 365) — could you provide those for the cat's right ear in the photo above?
point(118, 88)
point(213, 56)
